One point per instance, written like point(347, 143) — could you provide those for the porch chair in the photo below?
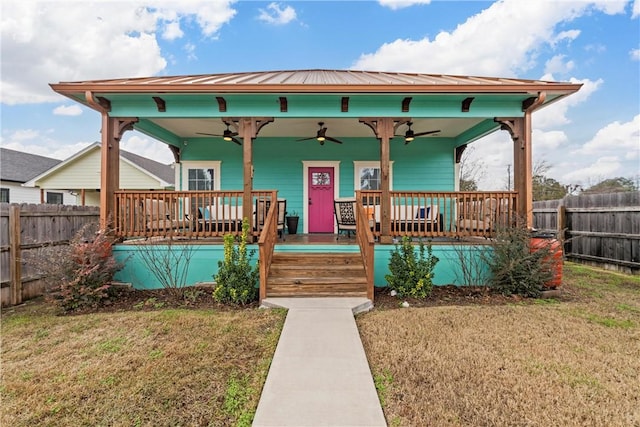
point(158, 216)
point(479, 216)
point(345, 212)
point(262, 209)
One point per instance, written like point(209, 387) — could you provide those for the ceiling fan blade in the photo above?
point(236, 141)
point(328, 138)
point(306, 139)
point(208, 134)
point(429, 132)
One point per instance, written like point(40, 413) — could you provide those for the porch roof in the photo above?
point(178, 108)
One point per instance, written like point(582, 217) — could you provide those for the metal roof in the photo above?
point(306, 81)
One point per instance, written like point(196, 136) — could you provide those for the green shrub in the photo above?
point(515, 269)
point(411, 275)
point(236, 278)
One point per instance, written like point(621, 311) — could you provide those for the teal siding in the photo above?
point(426, 164)
point(204, 263)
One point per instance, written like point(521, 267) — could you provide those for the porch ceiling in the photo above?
point(305, 127)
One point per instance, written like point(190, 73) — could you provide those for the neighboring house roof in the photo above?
point(17, 166)
point(164, 174)
point(160, 170)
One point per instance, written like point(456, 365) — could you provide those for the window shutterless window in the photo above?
point(4, 195)
point(54, 198)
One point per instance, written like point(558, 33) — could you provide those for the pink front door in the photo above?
point(321, 199)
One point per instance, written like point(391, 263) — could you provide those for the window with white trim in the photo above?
point(367, 175)
point(201, 176)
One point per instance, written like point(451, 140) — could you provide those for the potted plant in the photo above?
point(292, 222)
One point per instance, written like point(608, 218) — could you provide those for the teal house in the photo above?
point(328, 167)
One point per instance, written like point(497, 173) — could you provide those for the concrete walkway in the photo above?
point(319, 375)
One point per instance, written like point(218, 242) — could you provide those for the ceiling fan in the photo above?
point(321, 136)
point(227, 135)
point(410, 135)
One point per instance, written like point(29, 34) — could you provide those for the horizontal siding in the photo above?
point(425, 164)
point(20, 194)
point(85, 173)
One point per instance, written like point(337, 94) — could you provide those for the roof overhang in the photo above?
point(175, 109)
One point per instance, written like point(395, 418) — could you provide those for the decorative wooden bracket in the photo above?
point(459, 150)
point(405, 104)
point(466, 104)
point(344, 104)
point(98, 103)
point(121, 125)
point(222, 104)
point(176, 152)
point(514, 127)
point(374, 123)
point(162, 106)
point(239, 124)
point(283, 104)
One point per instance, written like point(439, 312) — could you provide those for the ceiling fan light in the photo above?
point(227, 138)
point(408, 138)
point(320, 138)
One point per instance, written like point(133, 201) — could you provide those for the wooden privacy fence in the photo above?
point(602, 229)
point(25, 229)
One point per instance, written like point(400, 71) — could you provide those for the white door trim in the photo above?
point(306, 164)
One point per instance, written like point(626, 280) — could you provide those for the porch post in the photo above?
point(385, 133)
point(248, 129)
point(112, 130)
point(383, 128)
point(520, 129)
point(247, 168)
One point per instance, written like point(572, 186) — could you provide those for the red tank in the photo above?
point(553, 245)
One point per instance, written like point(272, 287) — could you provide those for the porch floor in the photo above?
point(300, 239)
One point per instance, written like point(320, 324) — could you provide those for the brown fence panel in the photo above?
point(25, 229)
point(602, 229)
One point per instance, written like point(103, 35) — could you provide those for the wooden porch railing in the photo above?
point(365, 239)
point(184, 213)
point(266, 245)
point(434, 214)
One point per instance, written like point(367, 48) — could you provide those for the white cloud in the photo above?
point(401, 4)
point(555, 114)
point(172, 31)
point(636, 9)
point(24, 135)
point(594, 172)
point(190, 48)
point(67, 110)
point(558, 64)
point(624, 138)
point(147, 147)
point(530, 26)
point(52, 150)
point(45, 42)
point(635, 54)
point(546, 141)
point(277, 15)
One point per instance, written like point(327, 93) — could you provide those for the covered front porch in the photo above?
point(257, 147)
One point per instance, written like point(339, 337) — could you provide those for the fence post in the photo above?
point(561, 220)
point(15, 256)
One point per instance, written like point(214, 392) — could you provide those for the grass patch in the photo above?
point(160, 368)
point(572, 361)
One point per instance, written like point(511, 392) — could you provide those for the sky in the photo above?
point(590, 136)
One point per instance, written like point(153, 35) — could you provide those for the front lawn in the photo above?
point(135, 368)
point(571, 362)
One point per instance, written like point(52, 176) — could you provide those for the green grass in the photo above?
point(138, 368)
point(573, 361)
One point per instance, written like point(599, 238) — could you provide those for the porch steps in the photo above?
point(328, 274)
